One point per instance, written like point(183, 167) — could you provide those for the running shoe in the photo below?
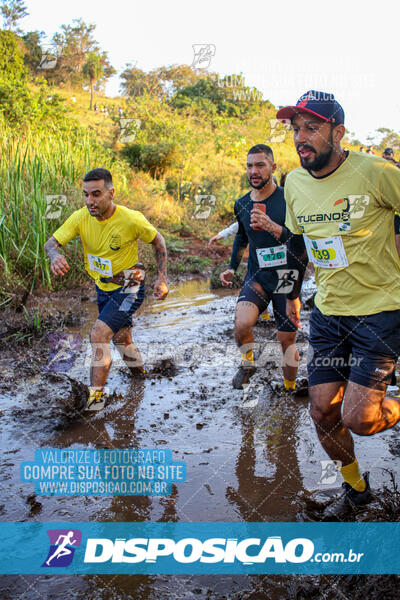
point(138, 372)
point(350, 500)
point(242, 376)
point(95, 401)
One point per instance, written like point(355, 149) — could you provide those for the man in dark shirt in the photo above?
point(261, 217)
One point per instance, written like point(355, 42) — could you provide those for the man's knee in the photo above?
point(100, 333)
point(100, 337)
point(359, 422)
point(324, 415)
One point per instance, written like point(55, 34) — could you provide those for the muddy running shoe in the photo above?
point(349, 502)
point(242, 376)
point(138, 372)
point(95, 401)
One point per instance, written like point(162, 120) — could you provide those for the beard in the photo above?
point(321, 160)
point(260, 185)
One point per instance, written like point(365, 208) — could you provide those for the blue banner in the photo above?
point(199, 548)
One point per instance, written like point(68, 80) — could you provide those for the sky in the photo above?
point(347, 47)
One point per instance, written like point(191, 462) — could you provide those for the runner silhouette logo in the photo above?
point(63, 543)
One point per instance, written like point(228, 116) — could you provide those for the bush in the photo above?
point(154, 158)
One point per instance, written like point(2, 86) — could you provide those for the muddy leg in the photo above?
point(128, 350)
point(100, 337)
point(290, 355)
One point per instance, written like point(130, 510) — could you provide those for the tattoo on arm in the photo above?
point(51, 247)
point(161, 256)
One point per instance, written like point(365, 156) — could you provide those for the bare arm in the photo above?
point(59, 264)
point(160, 286)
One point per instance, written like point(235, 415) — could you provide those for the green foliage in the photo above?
point(215, 95)
point(22, 106)
point(12, 65)
point(154, 158)
point(33, 51)
point(136, 82)
point(162, 82)
point(75, 45)
point(32, 168)
point(93, 70)
point(389, 139)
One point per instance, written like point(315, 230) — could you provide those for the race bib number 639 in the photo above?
point(328, 253)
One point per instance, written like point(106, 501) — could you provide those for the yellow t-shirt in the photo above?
point(109, 246)
point(346, 219)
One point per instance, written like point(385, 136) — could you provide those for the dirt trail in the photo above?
point(254, 459)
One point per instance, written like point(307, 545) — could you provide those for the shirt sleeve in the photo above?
point(68, 230)
point(290, 221)
point(389, 187)
point(144, 230)
point(231, 230)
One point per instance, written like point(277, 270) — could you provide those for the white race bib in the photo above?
point(100, 265)
point(328, 253)
point(271, 257)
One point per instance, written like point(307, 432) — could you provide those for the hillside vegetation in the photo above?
point(175, 141)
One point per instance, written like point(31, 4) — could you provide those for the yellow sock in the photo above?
point(265, 315)
point(351, 474)
point(289, 385)
point(248, 356)
point(95, 394)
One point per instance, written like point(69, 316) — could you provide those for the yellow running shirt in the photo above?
point(346, 220)
point(109, 246)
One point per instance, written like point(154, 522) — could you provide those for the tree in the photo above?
point(389, 139)
point(176, 77)
point(74, 43)
point(228, 96)
point(33, 49)
point(136, 82)
point(12, 11)
point(11, 57)
point(93, 70)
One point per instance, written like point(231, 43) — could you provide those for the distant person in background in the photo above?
point(120, 112)
point(225, 233)
point(388, 154)
point(96, 107)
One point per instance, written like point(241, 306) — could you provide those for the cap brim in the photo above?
point(289, 111)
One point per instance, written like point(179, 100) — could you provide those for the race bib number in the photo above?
point(271, 257)
point(328, 253)
point(100, 265)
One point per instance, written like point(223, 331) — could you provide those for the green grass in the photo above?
point(31, 168)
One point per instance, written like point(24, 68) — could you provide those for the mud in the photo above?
point(249, 457)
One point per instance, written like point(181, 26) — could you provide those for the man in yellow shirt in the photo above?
point(109, 234)
point(340, 209)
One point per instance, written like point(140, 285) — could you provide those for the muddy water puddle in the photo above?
point(247, 459)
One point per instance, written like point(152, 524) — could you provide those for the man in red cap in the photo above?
point(339, 207)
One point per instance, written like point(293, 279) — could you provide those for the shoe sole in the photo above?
point(94, 407)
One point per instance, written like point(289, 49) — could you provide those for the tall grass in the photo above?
point(33, 166)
